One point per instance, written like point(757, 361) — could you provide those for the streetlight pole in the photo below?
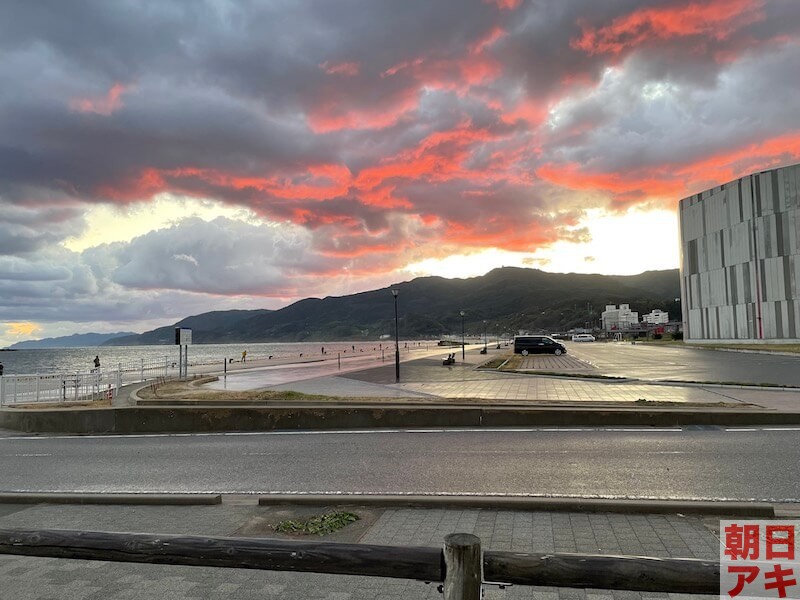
point(462, 334)
point(484, 336)
point(396, 340)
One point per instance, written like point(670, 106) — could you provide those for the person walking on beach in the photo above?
point(244, 355)
point(97, 363)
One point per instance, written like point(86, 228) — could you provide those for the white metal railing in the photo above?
point(78, 386)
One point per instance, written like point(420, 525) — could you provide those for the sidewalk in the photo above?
point(24, 578)
point(426, 376)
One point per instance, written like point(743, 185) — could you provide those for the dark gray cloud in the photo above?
point(364, 134)
point(27, 229)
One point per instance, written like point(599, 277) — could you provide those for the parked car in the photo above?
point(583, 337)
point(537, 344)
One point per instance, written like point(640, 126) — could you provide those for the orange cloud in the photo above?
point(715, 18)
point(105, 105)
point(402, 66)
point(138, 187)
point(528, 109)
point(506, 4)
point(318, 182)
point(459, 74)
point(350, 69)
point(437, 158)
point(677, 180)
point(505, 234)
point(355, 251)
point(627, 185)
point(733, 164)
point(494, 34)
point(333, 113)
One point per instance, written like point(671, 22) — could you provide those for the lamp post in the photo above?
point(484, 336)
point(396, 340)
point(462, 334)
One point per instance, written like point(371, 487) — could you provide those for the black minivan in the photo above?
point(537, 344)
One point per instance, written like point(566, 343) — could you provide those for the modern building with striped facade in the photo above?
point(740, 260)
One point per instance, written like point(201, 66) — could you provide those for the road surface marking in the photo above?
point(25, 455)
point(395, 431)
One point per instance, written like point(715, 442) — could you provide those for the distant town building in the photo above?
point(618, 318)
point(656, 317)
point(740, 259)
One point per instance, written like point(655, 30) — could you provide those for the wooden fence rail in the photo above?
point(455, 565)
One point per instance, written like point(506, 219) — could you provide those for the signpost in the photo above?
point(183, 337)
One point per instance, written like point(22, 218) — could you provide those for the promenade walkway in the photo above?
point(29, 578)
point(423, 375)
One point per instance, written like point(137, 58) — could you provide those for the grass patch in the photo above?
point(494, 363)
point(63, 404)
point(646, 402)
point(319, 525)
point(513, 363)
point(732, 383)
point(185, 390)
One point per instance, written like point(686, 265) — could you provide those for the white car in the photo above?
point(583, 337)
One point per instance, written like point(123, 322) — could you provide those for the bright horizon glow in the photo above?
point(621, 244)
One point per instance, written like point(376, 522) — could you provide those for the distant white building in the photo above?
point(618, 318)
point(656, 317)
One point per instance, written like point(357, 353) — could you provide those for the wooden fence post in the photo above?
point(463, 561)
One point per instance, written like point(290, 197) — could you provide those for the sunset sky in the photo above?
point(164, 158)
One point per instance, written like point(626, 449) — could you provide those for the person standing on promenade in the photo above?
point(244, 355)
point(1, 369)
point(96, 363)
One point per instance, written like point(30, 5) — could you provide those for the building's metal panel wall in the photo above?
point(740, 259)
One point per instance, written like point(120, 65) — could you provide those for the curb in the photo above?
point(80, 498)
point(754, 509)
point(622, 379)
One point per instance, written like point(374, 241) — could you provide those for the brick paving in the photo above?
point(548, 362)
point(427, 377)
point(553, 389)
point(23, 578)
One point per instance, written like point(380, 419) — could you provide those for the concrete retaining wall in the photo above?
point(207, 419)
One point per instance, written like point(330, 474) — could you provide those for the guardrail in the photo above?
point(460, 565)
point(78, 386)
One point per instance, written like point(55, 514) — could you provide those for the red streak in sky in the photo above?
point(715, 18)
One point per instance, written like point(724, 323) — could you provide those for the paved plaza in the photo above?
point(24, 578)
point(426, 377)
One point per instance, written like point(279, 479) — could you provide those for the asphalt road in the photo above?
point(689, 463)
point(679, 363)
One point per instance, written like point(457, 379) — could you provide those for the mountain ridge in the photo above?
point(76, 340)
point(507, 299)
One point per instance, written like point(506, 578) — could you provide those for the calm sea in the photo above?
point(70, 360)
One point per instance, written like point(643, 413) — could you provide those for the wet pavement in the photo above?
point(422, 374)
